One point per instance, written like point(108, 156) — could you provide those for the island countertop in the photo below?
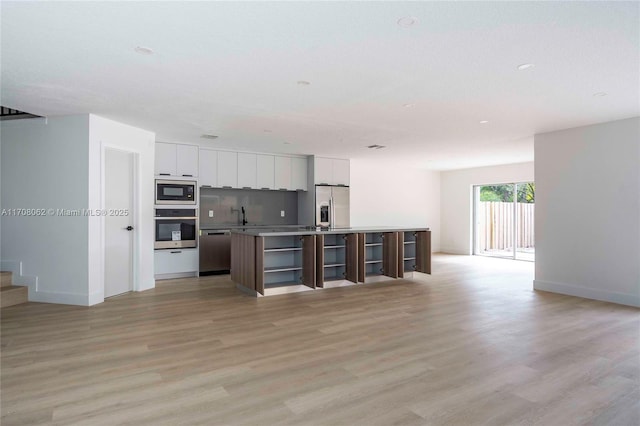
point(312, 230)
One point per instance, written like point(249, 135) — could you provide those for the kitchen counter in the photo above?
point(281, 231)
point(230, 227)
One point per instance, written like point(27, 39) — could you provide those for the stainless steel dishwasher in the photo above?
point(215, 250)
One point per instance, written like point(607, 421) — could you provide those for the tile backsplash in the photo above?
point(262, 207)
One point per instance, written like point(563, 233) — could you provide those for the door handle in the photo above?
point(332, 219)
point(129, 228)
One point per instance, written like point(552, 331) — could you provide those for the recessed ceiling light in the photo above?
point(303, 83)
point(407, 105)
point(208, 136)
point(599, 94)
point(523, 67)
point(143, 50)
point(484, 121)
point(376, 146)
point(407, 21)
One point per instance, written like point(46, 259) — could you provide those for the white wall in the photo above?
point(44, 166)
point(588, 211)
point(57, 164)
point(106, 133)
point(457, 200)
point(388, 194)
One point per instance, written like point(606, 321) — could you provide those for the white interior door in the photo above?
point(119, 184)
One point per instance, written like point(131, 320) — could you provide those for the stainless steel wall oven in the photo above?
point(176, 228)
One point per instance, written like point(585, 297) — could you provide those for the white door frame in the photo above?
point(136, 219)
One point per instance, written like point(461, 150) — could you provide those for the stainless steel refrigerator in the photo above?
point(332, 206)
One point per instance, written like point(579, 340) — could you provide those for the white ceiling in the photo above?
point(231, 69)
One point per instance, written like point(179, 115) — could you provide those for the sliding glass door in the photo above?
point(504, 220)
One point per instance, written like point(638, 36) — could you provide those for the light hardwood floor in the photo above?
point(470, 345)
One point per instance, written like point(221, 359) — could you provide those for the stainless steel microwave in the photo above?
point(175, 191)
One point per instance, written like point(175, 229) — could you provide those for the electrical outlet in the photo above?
point(281, 213)
point(210, 213)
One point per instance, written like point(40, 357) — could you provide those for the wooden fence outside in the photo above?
point(495, 220)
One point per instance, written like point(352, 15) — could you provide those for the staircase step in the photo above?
point(6, 278)
point(13, 295)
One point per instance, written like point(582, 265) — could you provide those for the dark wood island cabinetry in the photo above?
point(276, 261)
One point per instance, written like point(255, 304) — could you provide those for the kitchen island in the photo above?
point(269, 261)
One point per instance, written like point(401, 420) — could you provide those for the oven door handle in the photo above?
point(175, 218)
point(219, 233)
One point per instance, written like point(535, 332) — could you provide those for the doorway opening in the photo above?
point(504, 220)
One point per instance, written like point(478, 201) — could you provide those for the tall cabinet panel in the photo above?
point(265, 171)
point(227, 169)
point(299, 173)
point(208, 161)
point(341, 172)
point(323, 171)
point(165, 164)
point(423, 251)
point(390, 254)
point(247, 178)
point(187, 160)
point(282, 172)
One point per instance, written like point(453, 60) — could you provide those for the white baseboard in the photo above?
point(588, 293)
point(59, 297)
point(175, 276)
point(454, 251)
point(37, 295)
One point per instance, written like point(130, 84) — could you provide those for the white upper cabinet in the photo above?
point(165, 159)
point(341, 172)
point(265, 171)
point(208, 167)
point(187, 160)
point(282, 172)
point(247, 170)
point(176, 160)
point(331, 171)
point(299, 173)
point(323, 170)
point(227, 169)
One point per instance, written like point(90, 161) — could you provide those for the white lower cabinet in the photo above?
point(176, 261)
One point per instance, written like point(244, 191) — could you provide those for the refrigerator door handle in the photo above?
point(333, 212)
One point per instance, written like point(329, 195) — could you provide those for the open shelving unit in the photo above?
point(373, 255)
point(408, 257)
point(283, 264)
point(336, 260)
point(290, 262)
point(377, 251)
point(414, 254)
